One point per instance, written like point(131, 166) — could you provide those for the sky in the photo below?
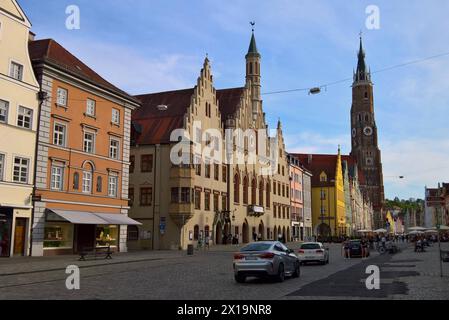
point(149, 46)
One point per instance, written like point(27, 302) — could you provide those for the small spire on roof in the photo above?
point(252, 45)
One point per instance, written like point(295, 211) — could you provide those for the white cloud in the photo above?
point(422, 162)
point(313, 142)
point(134, 72)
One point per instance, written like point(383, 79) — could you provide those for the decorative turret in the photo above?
point(253, 73)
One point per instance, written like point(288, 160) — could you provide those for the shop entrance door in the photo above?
point(5, 231)
point(85, 236)
point(19, 236)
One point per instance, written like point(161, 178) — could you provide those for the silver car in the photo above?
point(265, 258)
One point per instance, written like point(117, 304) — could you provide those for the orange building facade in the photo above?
point(82, 167)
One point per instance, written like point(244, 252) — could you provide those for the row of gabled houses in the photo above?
point(436, 207)
point(84, 164)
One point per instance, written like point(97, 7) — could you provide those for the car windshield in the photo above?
point(355, 243)
point(257, 247)
point(310, 246)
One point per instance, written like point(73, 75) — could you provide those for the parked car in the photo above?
point(266, 259)
point(355, 249)
point(313, 252)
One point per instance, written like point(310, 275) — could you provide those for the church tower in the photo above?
point(253, 75)
point(365, 148)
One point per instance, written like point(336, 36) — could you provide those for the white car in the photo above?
point(313, 252)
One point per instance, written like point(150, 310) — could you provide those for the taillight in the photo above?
point(268, 255)
point(238, 256)
point(320, 251)
point(301, 251)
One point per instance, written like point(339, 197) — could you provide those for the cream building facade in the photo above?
point(19, 106)
point(232, 185)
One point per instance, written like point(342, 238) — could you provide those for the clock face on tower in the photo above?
point(368, 131)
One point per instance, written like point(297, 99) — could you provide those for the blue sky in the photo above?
point(147, 46)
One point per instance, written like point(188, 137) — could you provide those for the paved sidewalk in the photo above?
point(429, 284)
point(21, 265)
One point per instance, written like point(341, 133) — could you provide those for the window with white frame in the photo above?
point(90, 110)
point(57, 177)
point(2, 166)
point(16, 71)
point(20, 173)
point(25, 118)
point(89, 142)
point(4, 107)
point(112, 185)
point(115, 116)
point(61, 97)
point(114, 147)
point(87, 182)
point(59, 134)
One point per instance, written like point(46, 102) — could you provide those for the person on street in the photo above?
point(346, 250)
point(384, 242)
point(364, 245)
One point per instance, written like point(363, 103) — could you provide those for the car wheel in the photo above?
point(281, 273)
point(297, 272)
point(240, 278)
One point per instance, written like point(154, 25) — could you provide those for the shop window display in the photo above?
point(107, 236)
point(58, 236)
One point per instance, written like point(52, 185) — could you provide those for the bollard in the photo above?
point(190, 250)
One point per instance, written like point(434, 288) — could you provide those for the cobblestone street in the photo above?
point(208, 275)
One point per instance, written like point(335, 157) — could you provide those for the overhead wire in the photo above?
point(401, 65)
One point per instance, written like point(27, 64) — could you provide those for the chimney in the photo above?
point(309, 159)
point(31, 36)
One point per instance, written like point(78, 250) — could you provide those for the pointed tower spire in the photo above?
point(252, 50)
point(253, 77)
point(362, 73)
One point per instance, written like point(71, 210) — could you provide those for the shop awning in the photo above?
point(84, 217)
point(120, 219)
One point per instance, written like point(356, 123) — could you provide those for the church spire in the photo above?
point(252, 50)
point(362, 73)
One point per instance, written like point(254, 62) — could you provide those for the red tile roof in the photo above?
point(317, 164)
point(327, 163)
point(229, 100)
point(153, 126)
point(51, 52)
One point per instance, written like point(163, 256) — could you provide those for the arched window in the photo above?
point(268, 194)
point(253, 191)
point(250, 68)
point(133, 233)
point(196, 232)
point(76, 181)
point(261, 183)
point(245, 190)
point(366, 118)
point(236, 188)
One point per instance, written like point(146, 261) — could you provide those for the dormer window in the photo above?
point(323, 177)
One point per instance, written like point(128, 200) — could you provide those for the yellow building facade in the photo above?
point(328, 195)
point(18, 126)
